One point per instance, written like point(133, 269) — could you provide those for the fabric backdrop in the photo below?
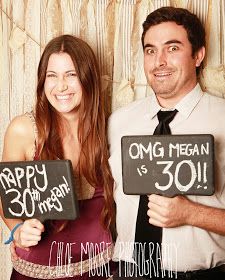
point(113, 29)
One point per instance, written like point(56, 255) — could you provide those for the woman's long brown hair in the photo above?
point(92, 124)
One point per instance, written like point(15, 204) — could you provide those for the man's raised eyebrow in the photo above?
point(166, 43)
point(148, 46)
point(173, 42)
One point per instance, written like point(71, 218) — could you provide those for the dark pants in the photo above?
point(209, 274)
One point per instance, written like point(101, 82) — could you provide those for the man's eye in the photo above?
point(173, 48)
point(150, 51)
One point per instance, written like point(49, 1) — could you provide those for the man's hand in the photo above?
point(168, 212)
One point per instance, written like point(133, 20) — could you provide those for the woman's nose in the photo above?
point(61, 85)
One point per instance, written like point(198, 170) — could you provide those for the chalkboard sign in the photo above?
point(168, 164)
point(38, 189)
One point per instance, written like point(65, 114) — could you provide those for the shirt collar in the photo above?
point(185, 106)
point(154, 106)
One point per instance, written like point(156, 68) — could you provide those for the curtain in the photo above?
point(113, 29)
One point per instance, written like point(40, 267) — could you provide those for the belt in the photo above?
point(201, 272)
point(170, 275)
point(33, 270)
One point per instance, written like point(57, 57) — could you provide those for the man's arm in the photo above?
point(178, 211)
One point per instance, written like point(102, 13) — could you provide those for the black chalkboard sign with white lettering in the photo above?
point(38, 189)
point(169, 165)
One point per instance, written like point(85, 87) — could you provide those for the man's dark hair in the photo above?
point(190, 22)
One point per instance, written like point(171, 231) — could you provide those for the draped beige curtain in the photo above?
point(113, 28)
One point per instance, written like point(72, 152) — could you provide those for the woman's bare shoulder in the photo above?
point(19, 139)
point(20, 126)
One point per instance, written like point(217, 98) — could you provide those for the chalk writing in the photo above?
point(171, 164)
point(34, 176)
point(156, 150)
point(53, 200)
point(153, 150)
point(41, 189)
point(142, 170)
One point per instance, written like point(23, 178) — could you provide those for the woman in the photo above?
point(69, 122)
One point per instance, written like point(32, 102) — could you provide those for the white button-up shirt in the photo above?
point(186, 247)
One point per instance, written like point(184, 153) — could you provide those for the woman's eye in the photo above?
point(50, 75)
point(71, 75)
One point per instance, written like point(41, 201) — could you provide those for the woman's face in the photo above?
point(62, 86)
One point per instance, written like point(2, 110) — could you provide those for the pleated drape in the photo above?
point(113, 28)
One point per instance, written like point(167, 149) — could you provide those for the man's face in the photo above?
point(169, 65)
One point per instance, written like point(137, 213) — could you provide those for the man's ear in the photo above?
point(199, 56)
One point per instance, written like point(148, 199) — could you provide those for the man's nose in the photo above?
point(161, 59)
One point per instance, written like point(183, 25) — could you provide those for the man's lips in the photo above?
point(162, 74)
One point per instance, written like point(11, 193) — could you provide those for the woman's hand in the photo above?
point(28, 234)
point(14, 256)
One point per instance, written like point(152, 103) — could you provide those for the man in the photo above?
point(192, 244)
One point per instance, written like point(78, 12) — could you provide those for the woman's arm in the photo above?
point(19, 146)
